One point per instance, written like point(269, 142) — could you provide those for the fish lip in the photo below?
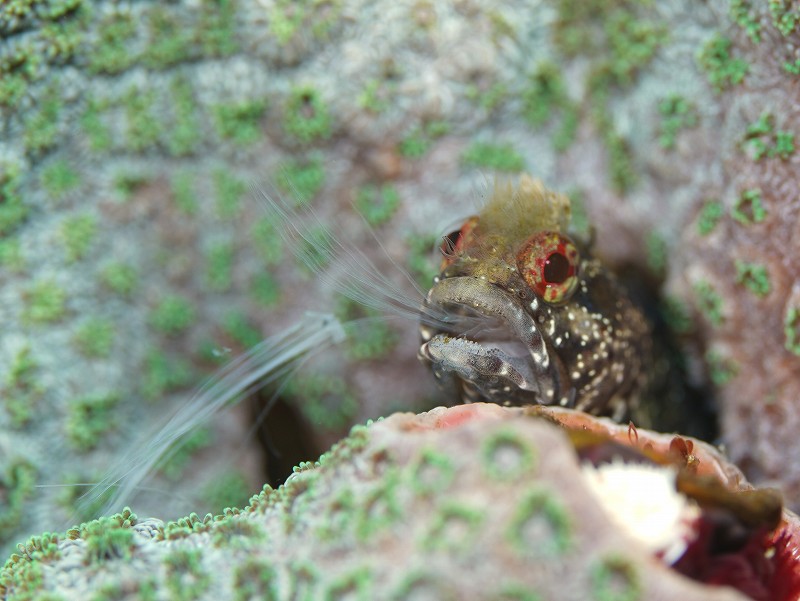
point(482, 363)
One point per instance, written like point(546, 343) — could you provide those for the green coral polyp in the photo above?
point(238, 326)
point(229, 190)
point(173, 315)
point(306, 117)
point(59, 178)
point(78, 233)
point(186, 132)
point(677, 113)
point(614, 578)
point(12, 209)
point(89, 418)
point(95, 127)
point(240, 122)
point(232, 531)
point(326, 400)
point(377, 204)
point(22, 389)
point(541, 526)
point(120, 277)
point(505, 456)
point(721, 368)
point(501, 157)
point(754, 276)
point(433, 472)
point(340, 516)
point(42, 126)
point(186, 579)
point(742, 13)
point(749, 207)
point(255, 579)
point(219, 267)
point(763, 141)
point(676, 314)
point(107, 540)
point(163, 373)
point(419, 140)
point(183, 527)
point(45, 302)
point(709, 302)
point(302, 179)
point(38, 548)
point(111, 53)
point(656, 253)
point(785, 18)
point(545, 99)
point(709, 217)
point(381, 509)
point(455, 529)
point(422, 585)
point(95, 337)
point(303, 581)
point(791, 330)
point(17, 484)
point(517, 592)
point(169, 41)
point(721, 68)
point(288, 17)
point(265, 290)
point(229, 490)
point(143, 128)
point(355, 586)
point(267, 241)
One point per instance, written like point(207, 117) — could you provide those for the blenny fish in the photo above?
point(520, 314)
point(549, 324)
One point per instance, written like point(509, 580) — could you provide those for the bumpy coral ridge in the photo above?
point(471, 502)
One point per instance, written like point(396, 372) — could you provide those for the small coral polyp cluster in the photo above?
point(477, 502)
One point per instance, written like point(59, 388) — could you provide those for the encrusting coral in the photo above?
point(471, 502)
point(129, 132)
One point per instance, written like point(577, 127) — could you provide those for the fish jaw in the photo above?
point(516, 367)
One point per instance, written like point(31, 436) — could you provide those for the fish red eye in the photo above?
point(455, 242)
point(548, 262)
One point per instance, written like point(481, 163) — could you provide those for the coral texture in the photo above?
point(133, 259)
point(476, 502)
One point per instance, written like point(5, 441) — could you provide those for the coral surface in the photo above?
point(475, 502)
point(134, 259)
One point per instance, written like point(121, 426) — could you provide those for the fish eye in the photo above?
point(455, 242)
point(548, 262)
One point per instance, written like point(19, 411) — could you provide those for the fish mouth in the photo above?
point(491, 343)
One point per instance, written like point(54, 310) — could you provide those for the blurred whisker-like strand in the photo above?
point(269, 361)
point(363, 281)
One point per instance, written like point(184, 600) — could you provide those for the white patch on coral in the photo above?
point(642, 499)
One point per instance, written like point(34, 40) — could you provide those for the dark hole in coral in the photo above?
point(284, 436)
point(307, 109)
point(675, 403)
point(746, 208)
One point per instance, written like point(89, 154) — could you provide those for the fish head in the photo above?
point(532, 317)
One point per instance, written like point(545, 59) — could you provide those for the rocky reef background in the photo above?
point(135, 256)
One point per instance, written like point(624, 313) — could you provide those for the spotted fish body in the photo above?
point(535, 319)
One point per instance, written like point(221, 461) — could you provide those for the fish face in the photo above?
point(533, 317)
